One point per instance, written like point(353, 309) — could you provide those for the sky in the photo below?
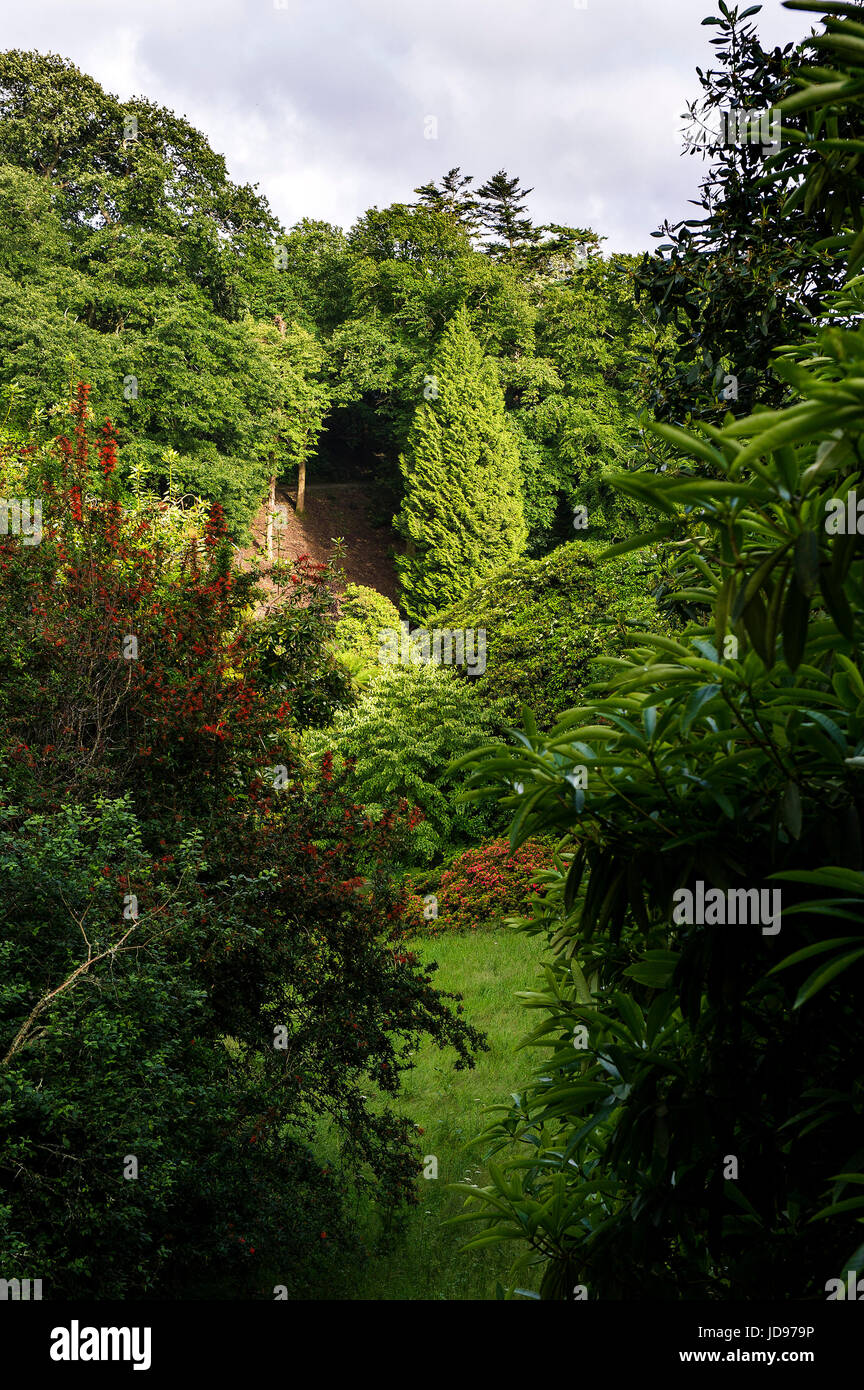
point(335, 106)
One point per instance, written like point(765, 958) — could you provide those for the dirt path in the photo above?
point(336, 509)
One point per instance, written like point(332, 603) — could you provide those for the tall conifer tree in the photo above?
point(462, 511)
point(503, 213)
point(454, 196)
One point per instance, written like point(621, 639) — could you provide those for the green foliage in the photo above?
point(298, 621)
point(311, 285)
point(406, 235)
point(251, 348)
point(462, 512)
point(406, 275)
point(125, 1063)
point(398, 742)
point(696, 1129)
point(578, 401)
point(302, 401)
point(744, 278)
point(454, 197)
point(175, 897)
point(547, 621)
point(134, 264)
point(560, 322)
point(363, 615)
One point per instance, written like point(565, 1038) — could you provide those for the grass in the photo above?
point(422, 1260)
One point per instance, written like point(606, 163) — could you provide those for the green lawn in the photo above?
point(423, 1260)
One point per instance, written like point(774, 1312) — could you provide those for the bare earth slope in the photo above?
point(335, 509)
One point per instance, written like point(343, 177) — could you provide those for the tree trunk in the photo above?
point(271, 504)
point(301, 486)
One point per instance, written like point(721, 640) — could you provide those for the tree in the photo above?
point(137, 280)
point(403, 233)
point(462, 512)
point(453, 197)
point(311, 283)
point(736, 283)
point(558, 254)
point(297, 359)
point(502, 209)
point(577, 400)
point(559, 320)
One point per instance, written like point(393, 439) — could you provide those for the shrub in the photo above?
point(363, 613)
point(398, 741)
point(548, 620)
point(478, 888)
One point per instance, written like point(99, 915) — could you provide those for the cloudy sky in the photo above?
point(334, 106)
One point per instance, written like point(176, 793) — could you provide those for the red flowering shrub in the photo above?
point(478, 888)
point(131, 661)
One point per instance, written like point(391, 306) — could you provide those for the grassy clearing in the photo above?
point(421, 1260)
